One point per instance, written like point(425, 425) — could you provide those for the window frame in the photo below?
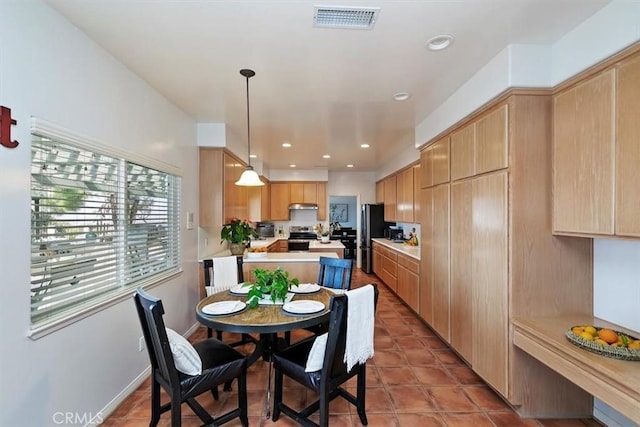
point(122, 291)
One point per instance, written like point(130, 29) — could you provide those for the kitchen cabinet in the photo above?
point(434, 163)
point(408, 282)
point(376, 259)
point(280, 196)
point(260, 201)
point(416, 193)
point(492, 144)
point(219, 198)
point(503, 262)
point(390, 198)
point(303, 192)
point(583, 156)
point(463, 157)
point(385, 265)
point(596, 153)
point(404, 195)
point(380, 192)
point(280, 245)
point(461, 264)
point(322, 201)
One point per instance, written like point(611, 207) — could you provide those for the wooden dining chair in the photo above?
point(335, 273)
point(186, 371)
point(331, 374)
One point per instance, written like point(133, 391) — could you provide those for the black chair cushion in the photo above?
point(293, 361)
point(220, 363)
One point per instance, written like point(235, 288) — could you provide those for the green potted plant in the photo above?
point(275, 283)
point(237, 232)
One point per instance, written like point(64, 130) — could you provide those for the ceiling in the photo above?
point(325, 91)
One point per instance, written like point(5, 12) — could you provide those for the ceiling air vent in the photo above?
point(358, 18)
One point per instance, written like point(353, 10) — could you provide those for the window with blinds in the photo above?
point(99, 225)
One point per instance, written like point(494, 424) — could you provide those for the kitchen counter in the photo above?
point(316, 245)
point(412, 251)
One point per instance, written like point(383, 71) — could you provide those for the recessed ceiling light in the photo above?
point(253, 156)
point(286, 145)
point(292, 166)
point(440, 42)
point(349, 166)
point(401, 96)
point(326, 156)
point(364, 145)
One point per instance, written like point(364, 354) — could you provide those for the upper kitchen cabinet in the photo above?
point(434, 163)
point(596, 153)
point(491, 148)
point(417, 174)
point(284, 193)
point(405, 196)
point(390, 198)
point(280, 199)
point(380, 192)
point(463, 155)
point(627, 179)
point(219, 198)
point(260, 201)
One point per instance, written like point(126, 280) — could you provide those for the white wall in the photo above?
point(50, 70)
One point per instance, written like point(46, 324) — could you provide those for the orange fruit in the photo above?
point(635, 344)
point(608, 335)
point(577, 330)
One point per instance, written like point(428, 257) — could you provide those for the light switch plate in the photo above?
point(189, 220)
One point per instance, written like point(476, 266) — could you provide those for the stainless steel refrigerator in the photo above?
point(372, 225)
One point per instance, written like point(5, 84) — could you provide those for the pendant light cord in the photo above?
point(248, 127)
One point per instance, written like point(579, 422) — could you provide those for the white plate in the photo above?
point(305, 288)
point(303, 306)
point(240, 289)
point(223, 307)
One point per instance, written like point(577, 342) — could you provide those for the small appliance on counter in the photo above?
point(395, 233)
point(265, 229)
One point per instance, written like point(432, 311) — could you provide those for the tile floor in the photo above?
point(413, 380)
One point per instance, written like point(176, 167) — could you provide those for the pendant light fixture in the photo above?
point(249, 177)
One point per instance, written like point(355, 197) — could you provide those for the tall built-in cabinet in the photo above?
point(400, 194)
point(597, 154)
point(487, 252)
point(219, 198)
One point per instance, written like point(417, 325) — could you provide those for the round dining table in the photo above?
point(266, 319)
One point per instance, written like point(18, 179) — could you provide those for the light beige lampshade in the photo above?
point(249, 178)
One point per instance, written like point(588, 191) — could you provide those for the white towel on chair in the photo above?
point(225, 271)
point(360, 326)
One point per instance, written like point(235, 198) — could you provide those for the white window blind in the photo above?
point(99, 225)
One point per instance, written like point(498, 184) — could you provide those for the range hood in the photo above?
point(303, 206)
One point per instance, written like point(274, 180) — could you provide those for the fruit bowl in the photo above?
point(582, 337)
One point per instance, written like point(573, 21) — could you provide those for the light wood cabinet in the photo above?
point(409, 281)
point(463, 151)
point(627, 177)
point(219, 198)
point(404, 187)
point(461, 264)
point(376, 259)
point(390, 199)
point(385, 265)
point(280, 245)
point(504, 261)
point(489, 272)
point(434, 163)
point(380, 192)
point(583, 157)
point(280, 196)
point(492, 144)
point(283, 193)
point(417, 174)
point(260, 201)
point(322, 201)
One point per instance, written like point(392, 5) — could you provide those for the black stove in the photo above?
point(299, 238)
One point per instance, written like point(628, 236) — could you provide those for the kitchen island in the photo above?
point(301, 265)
